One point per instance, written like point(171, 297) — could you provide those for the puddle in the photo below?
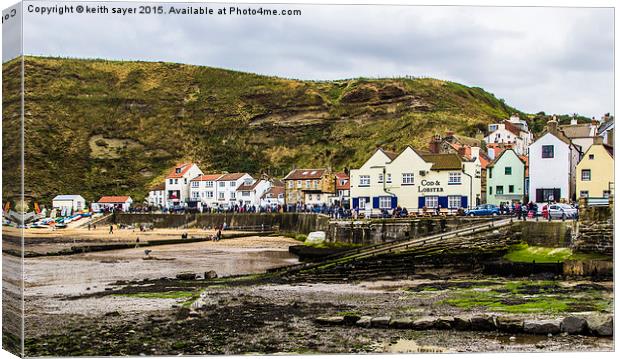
point(403, 346)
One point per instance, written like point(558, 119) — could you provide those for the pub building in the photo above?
point(415, 180)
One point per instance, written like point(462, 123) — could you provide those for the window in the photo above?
point(380, 178)
point(606, 194)
point(232, 184)
point(492, 128)
point(499, 189)
point(407, 178)
point(507, 171)
point(220, 195)
point(232, 195)
point(308, 183)
point(291, 184)
point(385, 202)
point(185, 180)
point(298, 183)
point(586, 175)
point(209, 194)
point(310, 197)
point(209, 184)
point(176, 181)
point(583, 194)
point(454, 178)
point(365, 180)
point(431, 201)
point(511, 189)
point(590, 157)
point(222, 184)
point(454, 201)
point(388, 178)
point(245, 193)
point(195, 184)
point(171, 181)
point(490, 190)
point(547, 151)
point(490, 169)
point(316, 183)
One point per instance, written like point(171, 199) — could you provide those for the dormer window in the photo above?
point(178, 170)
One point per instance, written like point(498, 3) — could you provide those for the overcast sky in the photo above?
point(557, 60)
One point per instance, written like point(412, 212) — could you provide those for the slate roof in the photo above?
point(248, 187)
point(605, 125)
point(274, 192)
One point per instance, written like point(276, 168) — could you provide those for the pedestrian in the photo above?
point(111, 229)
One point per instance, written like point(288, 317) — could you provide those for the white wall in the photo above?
point(550, 172)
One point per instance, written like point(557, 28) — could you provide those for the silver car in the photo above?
point(562, 211)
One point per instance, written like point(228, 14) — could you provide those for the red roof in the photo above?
point(301, 174)
point(180, 170)
point(342, 177)
point(209, 177)
point(231, 176)
point(512, 128)
point(526, 160)
point(113, 199)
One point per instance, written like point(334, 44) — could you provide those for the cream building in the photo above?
point(414, 180)
point(595, 171)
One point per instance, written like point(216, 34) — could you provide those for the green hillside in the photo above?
point(96, 127)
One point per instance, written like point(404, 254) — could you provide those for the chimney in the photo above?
point(475, 152)
point(552, 126)
point(598, 140)
point(433, 146)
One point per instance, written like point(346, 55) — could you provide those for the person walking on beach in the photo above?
point(111, 229)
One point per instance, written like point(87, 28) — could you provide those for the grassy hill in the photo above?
point(96, 127)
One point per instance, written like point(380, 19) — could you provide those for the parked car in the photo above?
point(562, 211)
point(483, 210)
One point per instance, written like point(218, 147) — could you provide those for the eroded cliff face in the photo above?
point(98, 127)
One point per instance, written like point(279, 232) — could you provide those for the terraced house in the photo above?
point(506, 178)
point(178, 183)
point(312, 186)
point(415, 180)
point(595, 172)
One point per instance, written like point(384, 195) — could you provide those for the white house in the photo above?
point(113, 203)
point(178, 183)
point(415, 180)
point(513, 131)
point(249, 194)
point(552, 162)
point(226, 188)
point(157, 196)
point(342, 196)
point(69, 202)
point(273, 197)
point(203, 189)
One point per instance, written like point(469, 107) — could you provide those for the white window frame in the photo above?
point(380, 178)
point(454, 202)
point(454, 178)
point(385, 202)
point(364, 180)
point(408, 178)
point(431, 201)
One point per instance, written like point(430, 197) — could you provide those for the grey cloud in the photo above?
point(550, 59)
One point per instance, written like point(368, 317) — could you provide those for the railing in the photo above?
point(597, 201)
point(395, 245)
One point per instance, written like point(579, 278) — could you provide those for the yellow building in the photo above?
point(595, 171)
point(309, 186)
